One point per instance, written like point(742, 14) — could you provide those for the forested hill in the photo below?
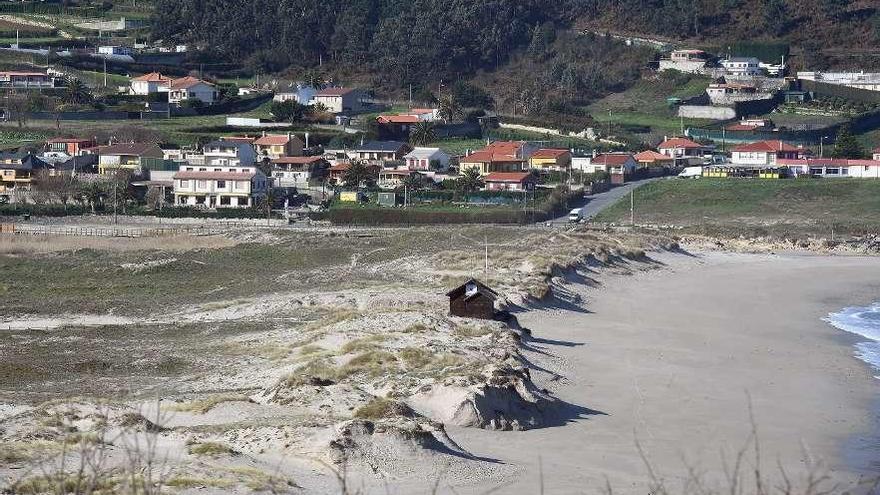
point(415, 41)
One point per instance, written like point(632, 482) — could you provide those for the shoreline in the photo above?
point(804, 381)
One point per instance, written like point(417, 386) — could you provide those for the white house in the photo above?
point(339, 100)
point(833, 167)
point(151, 83)
point(683, 150)
point(427, 159)
point(690, 61)
point(304, 95)
point(764, 153)
point(742, 66)
point(219, 187)
point(298, 171)
point(876, 154)
point(609, 162)
point(191, 88)
point(229, 153)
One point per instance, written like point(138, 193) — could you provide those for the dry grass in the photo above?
point(334, 316)
point(184, 482)
point(363, 344)
point(380, 408)
point(20, 452)
point(416, 328)
point(372, 364)
point(211, 449)
point(472, 331)
point(28, 244)
point(415, 357)
point(311, 349)
point(202, 406)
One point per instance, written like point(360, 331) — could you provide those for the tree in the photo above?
point(423, 134)
point(470, 181)
point(356, 175)
point(776, 17)
point(289, 111)
point(450, 109)
point(846, 145)
point(414, 181)
point(77, 92)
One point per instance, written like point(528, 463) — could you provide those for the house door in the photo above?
point(212, 201)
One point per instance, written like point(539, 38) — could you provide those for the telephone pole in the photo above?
point(632, 207)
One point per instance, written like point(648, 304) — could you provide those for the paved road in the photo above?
point(596, 203)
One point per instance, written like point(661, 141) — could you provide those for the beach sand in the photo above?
point(674, 356)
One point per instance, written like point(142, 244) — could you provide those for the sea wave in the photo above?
point(865, 322)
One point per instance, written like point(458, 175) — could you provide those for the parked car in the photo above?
point(691, 173)
point(576, 215)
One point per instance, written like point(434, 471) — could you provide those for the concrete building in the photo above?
point(550, 160)
point(832, 167)
point(229, 153)
point(341, 100)
point(26, 80)
point(127, 156)
point(299, 171)
point(427, 159)
point(510, 181)
point(742, 66)
point(219, 187)
point(191, 88)
point(683, 150)
point(688, 61)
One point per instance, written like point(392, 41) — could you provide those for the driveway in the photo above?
point(596, 203)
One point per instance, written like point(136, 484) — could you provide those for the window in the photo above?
point(202, 184)
point(203, 169)
point(221, 184)
point(184, 184)
point(218, 170)
point(189, 169)
point(225, 201)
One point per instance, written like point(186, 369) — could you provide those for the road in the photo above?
point(596, 203)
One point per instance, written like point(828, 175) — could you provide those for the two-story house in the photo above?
point(424, 159)
point(487, 162)
point(299, 171)
point(742, 66)
point(219, 186)
point(70, 146)
point(546, 160)
point(129, 156)
point(341, 100)
point(17, 170)
point(229, 153)
point(683, 150)
point(764, 153)
point(191, 89)
point(276, 146)
point(148, 84)
point(381, 151)
point(26, 80)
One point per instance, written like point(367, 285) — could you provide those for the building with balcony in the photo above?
point(17, 171)
point(26, 80)
point(219, 187)
point(129, 156)
point(228, 153)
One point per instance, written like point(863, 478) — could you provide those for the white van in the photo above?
point(691, 173)
point(576, 215)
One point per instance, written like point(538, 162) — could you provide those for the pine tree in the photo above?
point(847, 146)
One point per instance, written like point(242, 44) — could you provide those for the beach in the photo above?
point(674, 357)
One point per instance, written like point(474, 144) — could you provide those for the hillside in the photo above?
point(781, 208)
point(421, 41)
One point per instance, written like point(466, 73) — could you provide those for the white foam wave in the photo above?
point(865, 322)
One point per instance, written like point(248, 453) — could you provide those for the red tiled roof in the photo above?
point(334, 92)
point(678, 143)
point(507, 177)
point(488, 156)
point(187, 82)
point(398, 119)
point(651, 156)
point(298, 160)
point(549, 153)
point(614, 159)
point(273, 140)
point(209, 175)
point(152, 77)
point(511, 148)
point(766, 147)
point(340, 167)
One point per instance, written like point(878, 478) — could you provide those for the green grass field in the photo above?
point(756, 207)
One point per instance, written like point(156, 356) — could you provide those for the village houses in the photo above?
point(127, 156)
point(299, 171)
point(276, 146)
point(427, 159)
point(765, 153)
point(229, 152)
point(341, 100)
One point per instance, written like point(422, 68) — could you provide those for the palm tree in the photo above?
point(357, 174)
point(470, 181)
point(77, 92)
point(423, 134)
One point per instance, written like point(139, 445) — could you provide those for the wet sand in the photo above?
point(673, 358)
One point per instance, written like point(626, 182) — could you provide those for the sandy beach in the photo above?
point(671, 356)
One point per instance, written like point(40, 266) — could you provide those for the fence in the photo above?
point(98, 231)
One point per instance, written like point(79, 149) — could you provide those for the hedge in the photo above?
point(16, 210)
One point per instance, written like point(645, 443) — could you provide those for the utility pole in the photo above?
point(115, 184)
point(486, 272)
point(105, 72)
point(632, 207)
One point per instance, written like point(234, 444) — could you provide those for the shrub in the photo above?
point(380, 408)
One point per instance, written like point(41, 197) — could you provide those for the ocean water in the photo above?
point(865, 322)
